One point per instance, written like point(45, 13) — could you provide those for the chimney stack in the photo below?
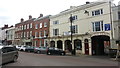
point(6, 26)
point(22, 19)
point(41, 15)
point(30, 17)
point(11, 26)
point(87, 2)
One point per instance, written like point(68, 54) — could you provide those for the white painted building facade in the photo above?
point(92, 22)
point(2, 34)
point(10, 35)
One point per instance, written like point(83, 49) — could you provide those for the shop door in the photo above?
point(86, 47)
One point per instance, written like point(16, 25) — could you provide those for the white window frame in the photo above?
point(45, 43)
point(40, 25)
point(40, 34)
point(101, 26)
point(100, 12)
point(55, 33)
point(36, 34)
point(30, 33)
point(30, 25)
point(24, 34)
point(36, 26)
point(40, 42)
point(22, 27)
point(45, 24)
point(27, 26)
point(75, 30)
point(27, 34)
point(56, 22)
point(45, 33)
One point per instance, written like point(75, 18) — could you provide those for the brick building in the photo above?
point(24, 30)
point(41, 30)
point(33, 31)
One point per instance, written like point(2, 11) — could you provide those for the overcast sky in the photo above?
point(11, 11)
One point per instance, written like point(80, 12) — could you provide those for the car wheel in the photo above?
point(38, 52)
point(48, 53)
point(62, 53)
point(15, 58)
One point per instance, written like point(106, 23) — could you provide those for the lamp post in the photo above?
point(71, 21)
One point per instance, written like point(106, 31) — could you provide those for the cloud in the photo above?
point(11, 11)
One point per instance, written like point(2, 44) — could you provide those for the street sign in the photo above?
point(107, 27)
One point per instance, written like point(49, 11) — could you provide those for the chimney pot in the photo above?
point(87, 2)
point(41, 15)
point(30, 17)
point(6, 26)
point(22, 19)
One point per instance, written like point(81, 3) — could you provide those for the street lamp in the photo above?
point(71, 21)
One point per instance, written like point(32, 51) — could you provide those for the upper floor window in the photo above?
point(97, 12)
point(24, 26)
point(45, 32)
point(55, 32)
point(97, 26)
point(40, 33)
point(27, 34)
point(36, 34)
point(74, 17)
point(74, 29)
point(56, 22)
point(20, 27)
point(118, 15)
point(36, 26)
point(24, 34)
point(45, 24)
point(30, 25)
point(27, 26)
point(40, 25)
point(21, 34)
point(30, 33)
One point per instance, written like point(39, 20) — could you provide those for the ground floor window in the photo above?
point(78, 44)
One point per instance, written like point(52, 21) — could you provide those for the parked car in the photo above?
point(18, 46)
point(8, 54)
point(40, 50)
point(113, 52)
point(55, 51)
point(22, 48)
point(29, 49)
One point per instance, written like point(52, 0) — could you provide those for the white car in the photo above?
point(18, 47)
point(22, 48)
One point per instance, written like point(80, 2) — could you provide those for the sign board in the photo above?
point(107, 27)
point(67, 33)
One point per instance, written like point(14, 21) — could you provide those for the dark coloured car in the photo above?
point(8, 54)
point(55, 51)
point(29, 49)
point(113, 52)
point(40, 50)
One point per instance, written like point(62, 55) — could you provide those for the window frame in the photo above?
point(97, 12)
point(100, 26)
point(55, 32)
point(75, 29)
point(45, 24)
